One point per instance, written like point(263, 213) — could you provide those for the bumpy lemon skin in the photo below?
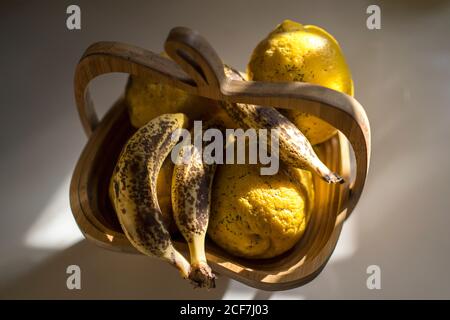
point(293, 52)
point(255, 216)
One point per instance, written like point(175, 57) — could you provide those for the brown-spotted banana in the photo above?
point(294, 148)
point(191, 196)
point(134, 184)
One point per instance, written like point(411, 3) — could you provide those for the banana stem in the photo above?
point(197, 250)
point(179, 261)
point(201, 274)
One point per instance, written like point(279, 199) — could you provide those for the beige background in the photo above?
point(401, 75)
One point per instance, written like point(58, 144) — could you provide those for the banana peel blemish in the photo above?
point(261, 149)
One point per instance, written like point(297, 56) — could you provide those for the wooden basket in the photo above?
point(197, 69)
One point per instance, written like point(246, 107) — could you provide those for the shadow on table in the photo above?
point(106, 275)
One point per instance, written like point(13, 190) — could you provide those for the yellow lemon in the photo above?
point(148, 99)
point(257, 216)
point(294, 52)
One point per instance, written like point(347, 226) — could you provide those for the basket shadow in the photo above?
point(106, 275)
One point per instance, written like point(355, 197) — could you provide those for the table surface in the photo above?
point(401, 75)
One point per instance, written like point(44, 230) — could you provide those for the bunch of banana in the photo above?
point(134, 184)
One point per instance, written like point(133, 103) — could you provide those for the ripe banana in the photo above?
point(191, 197)
point(295, 150)
point(134, 184)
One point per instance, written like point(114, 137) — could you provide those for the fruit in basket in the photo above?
point(135, 194)
point(248, 214)
point(294, 52)
point(294, 149)
point(255, 216)
point(191, 198)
